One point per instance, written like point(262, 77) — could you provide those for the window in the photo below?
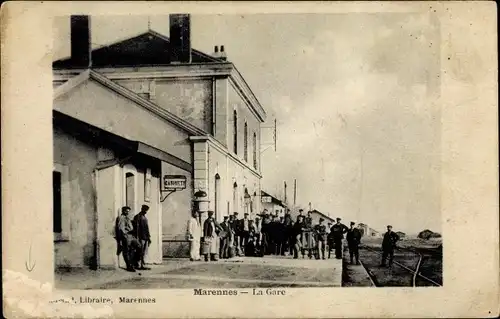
point(57, 202)
point(130, 190)
point(235, 132)
point(130, 187)
point(61, 203)
point(245, 142)
point(147, 185)
point(254, 142)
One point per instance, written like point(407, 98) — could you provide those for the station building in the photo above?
point(130, 116)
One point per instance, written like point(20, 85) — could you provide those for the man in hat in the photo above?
point(210, 237)
point(224, 238)
point(388, 245)
point(321, 238)
point(353, 239)
point(194, 236)
point(125, 235)
point(309, 235)
point(338, 230)
point(142, 234)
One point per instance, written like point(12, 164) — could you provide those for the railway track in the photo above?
point(416, 274)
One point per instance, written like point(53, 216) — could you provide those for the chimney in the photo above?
point(223, 55)
point(180, 38)
point(81, 49)
point(216, 53)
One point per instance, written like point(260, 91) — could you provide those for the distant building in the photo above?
point(368, 231)
point(138, 116)
point(316, 215)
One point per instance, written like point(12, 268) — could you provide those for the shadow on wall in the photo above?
point(177, 249)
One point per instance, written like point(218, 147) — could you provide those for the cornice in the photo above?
point(224, 150)
point(193, 70)
point(242, 86)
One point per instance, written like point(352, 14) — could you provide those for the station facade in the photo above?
point(129, 114)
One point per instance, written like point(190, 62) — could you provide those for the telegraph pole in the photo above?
point(294, 192)
point(285, 190)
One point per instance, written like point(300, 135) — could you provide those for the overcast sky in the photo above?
point(355, 97)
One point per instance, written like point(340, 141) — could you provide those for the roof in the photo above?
point(274, 200)
point(145, 103)
point(321, 214)
point(145, 49)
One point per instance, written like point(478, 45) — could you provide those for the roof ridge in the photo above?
point(150, 32)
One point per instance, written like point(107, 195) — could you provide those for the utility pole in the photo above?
point(285, 191)
point(294, 192)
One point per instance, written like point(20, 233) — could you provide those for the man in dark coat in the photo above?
point(388, 245)
point(141, 228)
point(338, 230)
point(224, 238)
point(353, 239)
point(288, 225)
point(297, 229)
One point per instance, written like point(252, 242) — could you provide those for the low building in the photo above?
point(272, 204)
point(137, 117)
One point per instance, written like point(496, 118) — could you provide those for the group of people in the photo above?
point(269, 234)
point(133, 238)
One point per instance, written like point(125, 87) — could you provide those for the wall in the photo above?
point(80, 159)
point(189, 99)
point(231, 171)
point(97, 105)
point(176, 210)
point(236, 102)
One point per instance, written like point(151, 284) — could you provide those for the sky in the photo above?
point(355, 98)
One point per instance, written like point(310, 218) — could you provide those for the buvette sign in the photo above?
point(174, 182)
point(266, 199)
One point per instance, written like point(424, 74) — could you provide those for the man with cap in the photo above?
point(224, 238)
point(125, 235)
point(237, 233)
point(337, 232)
point(297, 230)
point(232, 232)
point(194, 236)
point(287, 225)
point(321, 238)
point(353, 239)
point(388, 245)
point(265, 229)
point(309, 234)
point(142, 234)
point(210, 237)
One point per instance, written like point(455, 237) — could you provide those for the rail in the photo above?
point(414, 272)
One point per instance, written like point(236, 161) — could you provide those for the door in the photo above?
point(108, 193)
